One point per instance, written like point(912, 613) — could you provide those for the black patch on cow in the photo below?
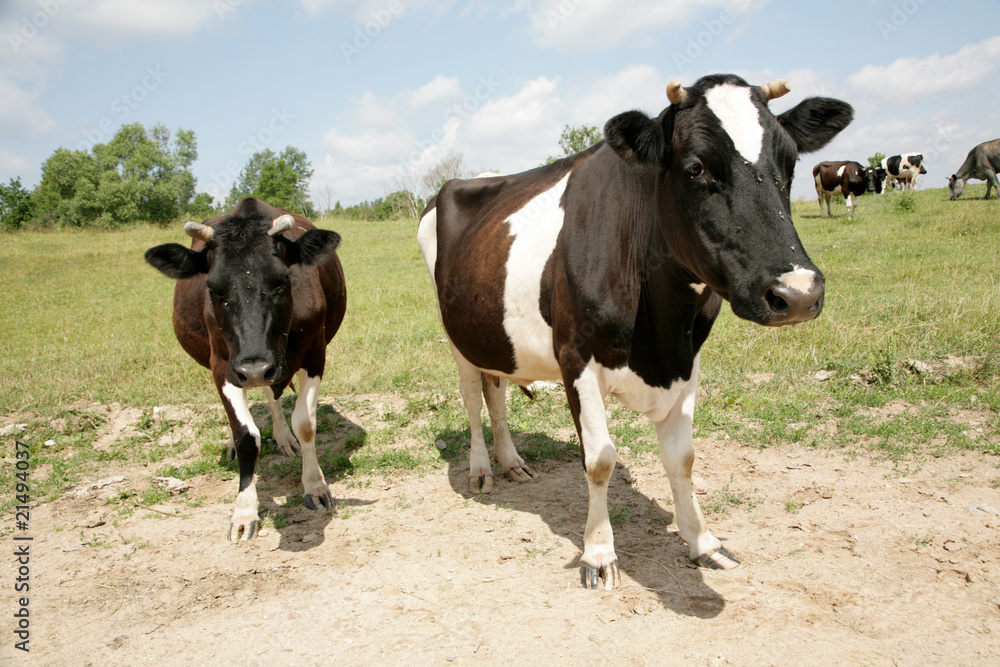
point(635, 137)
point(892, 164)
point(815, 121)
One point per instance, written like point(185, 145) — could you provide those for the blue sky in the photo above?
point(377, 91)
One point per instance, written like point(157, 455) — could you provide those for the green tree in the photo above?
point(875, 161)
point(63, 174)
point(289, 166)
point(140, 175)
point(574, 140)
point(15, 205)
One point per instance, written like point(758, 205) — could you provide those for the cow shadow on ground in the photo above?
point(646, 541)
point(279, 478)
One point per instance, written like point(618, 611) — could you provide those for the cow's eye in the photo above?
point(694, 168)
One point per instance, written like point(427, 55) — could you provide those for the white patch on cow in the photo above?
point(304, 424)
point(799, 279)
point(238, 400)
point(535, 228)
point(427, 240)
point(698, 288)
point(740, 119)
point(840, 172)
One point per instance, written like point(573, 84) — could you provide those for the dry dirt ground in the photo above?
point(845, 562)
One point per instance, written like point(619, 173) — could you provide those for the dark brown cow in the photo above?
point(608, 268)
point(259, 295)
point(848, 179)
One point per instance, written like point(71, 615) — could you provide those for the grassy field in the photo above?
point(912, 314)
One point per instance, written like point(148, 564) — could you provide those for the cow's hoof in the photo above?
point(239, 532)
point(289, 447)
point(519, 473)
point(717, 559)
point(590, 576)
point(481, 484)
point(325, 499)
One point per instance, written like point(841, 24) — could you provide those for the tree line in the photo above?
point(144, 175)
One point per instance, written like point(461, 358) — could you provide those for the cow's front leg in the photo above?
point(287, 444)
point(586, 402)
point(991, 182)
point(304, 423)
point(511, 463)
point(246, 438)
point(674, 434)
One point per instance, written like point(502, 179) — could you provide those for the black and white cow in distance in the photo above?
point(982, 163)
point(259, 295)
point(847, 179)
point(607, 269)
point(904, 169)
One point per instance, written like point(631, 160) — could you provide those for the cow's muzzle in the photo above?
point(254, 372)
point(794, 303)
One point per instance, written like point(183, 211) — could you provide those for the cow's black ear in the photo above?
point(636, 137)
point(317, 244)
point(176, 261)
point(815, 121)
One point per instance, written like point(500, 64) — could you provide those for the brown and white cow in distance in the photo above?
point(847, 179)
point(259, 295)
point(608, 268)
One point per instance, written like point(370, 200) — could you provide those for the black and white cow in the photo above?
point(850, 180)
point(607, 269)
point(903, 169)
point(259, 295)
point(982, 163)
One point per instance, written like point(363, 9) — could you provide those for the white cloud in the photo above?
point(127, 20)
point(439, 88)
point(635, 87)
point(375, 147)
point(910, 79)
point(21, 112)
point(602, 25)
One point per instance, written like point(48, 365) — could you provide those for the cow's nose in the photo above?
point(254, 372)
point(789, 305)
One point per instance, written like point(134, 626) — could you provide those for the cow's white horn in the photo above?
point(676, 93)
point(196, 230)
point(281, 224)
point(775, 89)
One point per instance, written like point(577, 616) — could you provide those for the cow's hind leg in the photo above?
point(586, 402)
point(470, 385)
point(314, 484)
point(674, 434)
point(287, 444)
point(511, 463)
point(246, 438)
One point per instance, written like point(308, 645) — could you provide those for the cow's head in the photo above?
point(725, 166)
point(246, 259)
point(875, 177)
point(956, 186)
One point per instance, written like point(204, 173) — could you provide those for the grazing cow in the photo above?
point(982, 163)
point(848, 179)
point(259, 295)
point(904, 169)
point(607, 269)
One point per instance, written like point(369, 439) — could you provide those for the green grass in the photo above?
point(909, 280)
